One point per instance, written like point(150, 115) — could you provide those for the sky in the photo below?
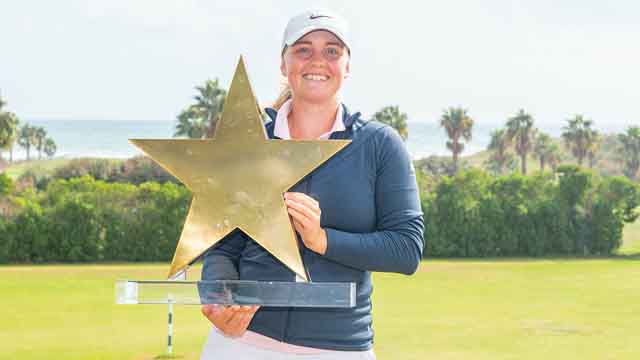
point(140, 59)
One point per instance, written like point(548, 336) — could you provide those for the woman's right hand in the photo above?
point(232, 320)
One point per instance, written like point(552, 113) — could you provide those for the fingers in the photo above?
point(297, 216)
point(305, 200)
point(298, 226)
point(239, 319)
point(206, 310)
point(238, 323)
point(231, 320)
point(303, 213)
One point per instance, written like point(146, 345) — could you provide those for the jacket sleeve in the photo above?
point(397, 243)
point(220, 262)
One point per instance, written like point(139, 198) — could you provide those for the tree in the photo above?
point(8, 131)
point(631, 151)
point(50, 147)
point(40, 134)
point(593, 149)
point(546, 151)
point(392, 116)
point(458, 125)
point(521, 133)
point(191, 124)
point(579, 136)
point(26, 138)
point(199, 120)
point(540, 148)
point(500, 159)
point(554, 156)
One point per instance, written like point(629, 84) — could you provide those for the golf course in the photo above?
point(555, 308)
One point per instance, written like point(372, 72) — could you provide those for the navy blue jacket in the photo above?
point(373, 220)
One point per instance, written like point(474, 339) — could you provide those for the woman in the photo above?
point(358, 212)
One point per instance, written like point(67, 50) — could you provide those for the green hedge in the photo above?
point(570, 213)
point(472, 214)
point(82, 219)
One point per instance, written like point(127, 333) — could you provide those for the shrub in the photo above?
point(6, 185)
point(35, 177)
point(140, 169)
point(100, 169)
point(472, 214)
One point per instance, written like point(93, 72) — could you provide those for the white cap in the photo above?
point(312, 20)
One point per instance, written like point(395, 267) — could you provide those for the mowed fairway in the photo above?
point(451, 309)
point(631, 236)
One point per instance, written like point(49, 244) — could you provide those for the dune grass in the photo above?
point(450, 309)
point(44, 166)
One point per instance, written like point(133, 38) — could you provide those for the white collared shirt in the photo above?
point(281, 127)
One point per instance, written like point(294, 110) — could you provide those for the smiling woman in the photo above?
point(359, 212)
point(315, 67)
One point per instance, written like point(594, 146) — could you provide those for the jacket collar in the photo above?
point(347, 118)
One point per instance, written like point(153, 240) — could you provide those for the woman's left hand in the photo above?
point(305, 212)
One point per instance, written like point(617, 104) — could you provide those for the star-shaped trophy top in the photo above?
point(238, 179)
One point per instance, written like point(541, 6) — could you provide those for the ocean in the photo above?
point(108, 138)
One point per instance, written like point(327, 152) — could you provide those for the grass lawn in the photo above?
point(42, 166)
point(450, 309)
point(631, 239)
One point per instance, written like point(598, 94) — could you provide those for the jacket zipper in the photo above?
point(285, 333)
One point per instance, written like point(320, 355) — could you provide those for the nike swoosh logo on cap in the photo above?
point(312, 17)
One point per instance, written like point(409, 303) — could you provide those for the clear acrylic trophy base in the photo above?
point(237, 292)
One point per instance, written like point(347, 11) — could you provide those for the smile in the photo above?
point(315, 77)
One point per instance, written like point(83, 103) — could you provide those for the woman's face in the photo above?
point(315, 66)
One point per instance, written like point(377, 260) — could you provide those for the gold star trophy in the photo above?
point(238, 178)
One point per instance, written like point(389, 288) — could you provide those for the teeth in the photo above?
point(315, 77)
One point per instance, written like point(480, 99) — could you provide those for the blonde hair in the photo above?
point(285, 94)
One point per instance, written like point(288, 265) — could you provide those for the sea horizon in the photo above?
point(77, 138)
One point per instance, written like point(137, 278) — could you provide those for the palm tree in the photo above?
point(631, 150)
point(521, 133)
point(579, 136)
point(8, 131)
point(593, 149)
point(500, 158)
point(458, 124)
point(543, 147)
point(26, 138)
point(49, 147)
point(392, 116)
point(199, 120)
point(554, 156)
point(40, 134)
point(191, 124)
point(14, 139)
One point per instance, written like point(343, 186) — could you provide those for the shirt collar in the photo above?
point(281, 126)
